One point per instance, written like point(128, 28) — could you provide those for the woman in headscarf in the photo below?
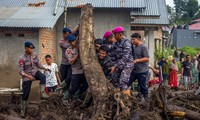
point(173, 76)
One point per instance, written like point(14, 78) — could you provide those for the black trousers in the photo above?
point(78, 82)
point(26, 85)
point(66, 73)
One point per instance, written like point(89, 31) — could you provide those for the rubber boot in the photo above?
point(23, 108)
point(87, 101)
point(146, 97)
point(65, 98)
point(62, 85)
point(44, 95)
point(77, 95)
point(127, 92)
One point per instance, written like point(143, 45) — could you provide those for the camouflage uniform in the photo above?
point(112, 48)
point(124, 63)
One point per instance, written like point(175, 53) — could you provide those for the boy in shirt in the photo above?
point(52, 78)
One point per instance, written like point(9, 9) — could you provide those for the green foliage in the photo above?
point(192, 51)
point(164, 52)
point(185, 11)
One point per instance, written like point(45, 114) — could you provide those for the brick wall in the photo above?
point(47, 43)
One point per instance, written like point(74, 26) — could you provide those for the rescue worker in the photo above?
point(141, 65)
point(123, 64)
point(78, 80)
point(110, 42)
point(29, 66)
point(105, 62)
point(98, 42)
point(65, 67)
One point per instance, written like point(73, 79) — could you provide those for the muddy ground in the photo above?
point(53, 109)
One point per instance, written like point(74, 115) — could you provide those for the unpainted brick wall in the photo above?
point(47, 43)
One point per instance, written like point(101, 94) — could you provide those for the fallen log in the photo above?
point(182, 112)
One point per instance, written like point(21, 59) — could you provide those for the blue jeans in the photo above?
point(142, 81)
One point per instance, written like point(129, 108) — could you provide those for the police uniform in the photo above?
point(29, 64)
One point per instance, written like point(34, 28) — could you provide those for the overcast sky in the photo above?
point(171, 3)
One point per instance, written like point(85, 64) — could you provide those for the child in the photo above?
point(52, 78)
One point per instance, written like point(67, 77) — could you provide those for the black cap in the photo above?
point(29, 44)
point(99, 41)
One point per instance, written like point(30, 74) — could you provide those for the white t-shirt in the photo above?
point(51, 79)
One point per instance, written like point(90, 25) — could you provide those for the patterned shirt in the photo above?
point(51, 79)
point(28, 64)
point(123, 53)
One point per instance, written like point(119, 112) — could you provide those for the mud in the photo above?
point(53, 109)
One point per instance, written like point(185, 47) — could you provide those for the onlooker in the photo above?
point(182, 56)
point(195, 72)
point(166, 70)
point(141, 63)
point(52, 77)
point(176, 53)
point(198, 67)
point(186, 72)
point(173, 79)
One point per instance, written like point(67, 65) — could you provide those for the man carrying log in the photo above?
point(123, 64)
point(28, 69)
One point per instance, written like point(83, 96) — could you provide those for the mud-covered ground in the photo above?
point(53, 109)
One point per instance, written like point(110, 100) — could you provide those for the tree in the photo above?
point(92, 69)
point(186, 10)
point(179, 8)
point(191, 9)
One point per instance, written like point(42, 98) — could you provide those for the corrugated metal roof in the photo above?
point(152, 9)
point(24, 3)
point(40, 17)
point(108, 3)
point(163, 19)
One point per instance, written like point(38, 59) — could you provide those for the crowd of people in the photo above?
point(189, 71)
point(122, 60)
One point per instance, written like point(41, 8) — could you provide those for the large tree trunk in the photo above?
point(92, 69)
